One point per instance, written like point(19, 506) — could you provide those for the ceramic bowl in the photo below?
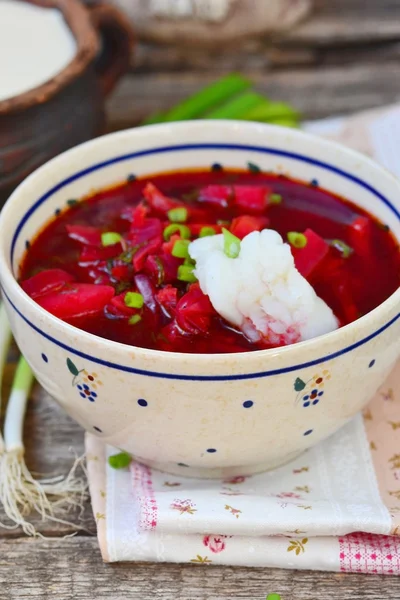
point(69, 108)
point(202, 415)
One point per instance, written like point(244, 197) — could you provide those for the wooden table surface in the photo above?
point(344, 58)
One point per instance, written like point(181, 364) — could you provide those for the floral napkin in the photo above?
point(336, 507)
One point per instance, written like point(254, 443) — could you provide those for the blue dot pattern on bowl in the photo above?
point(371, 364)
point(86, 392)
point(142, 402)
point(248, 404)
point(44, 357)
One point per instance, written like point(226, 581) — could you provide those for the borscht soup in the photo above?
point(211, 261)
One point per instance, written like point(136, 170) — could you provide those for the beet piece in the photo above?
point(162, 204)
point(46, 282)
point(194, 311)
point(220, 195)
point(334, 284)
point(167, 298)
point(162, 268)
point(121, 272)
point(157, 200)
point(147, 289)
point(173, 339)
point(139, 214)
point(360, 237)
point(171, 265)
point(151, 247)
point(245, 224)
point(150, 228)
point(251, 198)
point(91, 254)
point(307, 259)
point(118, 307)
point(154, 268)
point(344, 296)
point(77, 300)
point(85, 234)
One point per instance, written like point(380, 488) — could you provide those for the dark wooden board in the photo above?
point(72, 570)
point(316, 92)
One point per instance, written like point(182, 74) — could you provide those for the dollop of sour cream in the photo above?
point(35, 45)
point(260, 291)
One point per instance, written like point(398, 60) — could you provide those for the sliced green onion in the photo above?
point(296, 239)
point(189, 261)
point(120, 461)
point(181, 249)
point(135, 319)
point(206, 231)
point(185, 273)
point(178, 215)
point(343, 248)
point(275, 199)
point(110, 238)
point(231, 244)
point(183, 231)
point(134, 300)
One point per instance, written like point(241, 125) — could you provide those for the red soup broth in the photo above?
point(114, 263)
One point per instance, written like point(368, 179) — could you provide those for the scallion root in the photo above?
point(52, 499)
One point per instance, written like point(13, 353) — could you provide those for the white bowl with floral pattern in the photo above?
point(202, 415)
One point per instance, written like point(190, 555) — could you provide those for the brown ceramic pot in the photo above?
point(68, 109)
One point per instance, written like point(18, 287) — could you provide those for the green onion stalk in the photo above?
point(20, 492)
point(230, 97)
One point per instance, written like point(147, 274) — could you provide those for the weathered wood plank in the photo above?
point(75, 571)
point(348, 21)
point(255, 56)
point(336, 32)
point(316, 92)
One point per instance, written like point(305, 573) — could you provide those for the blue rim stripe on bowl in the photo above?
point(209, 146)
point(258, 375)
